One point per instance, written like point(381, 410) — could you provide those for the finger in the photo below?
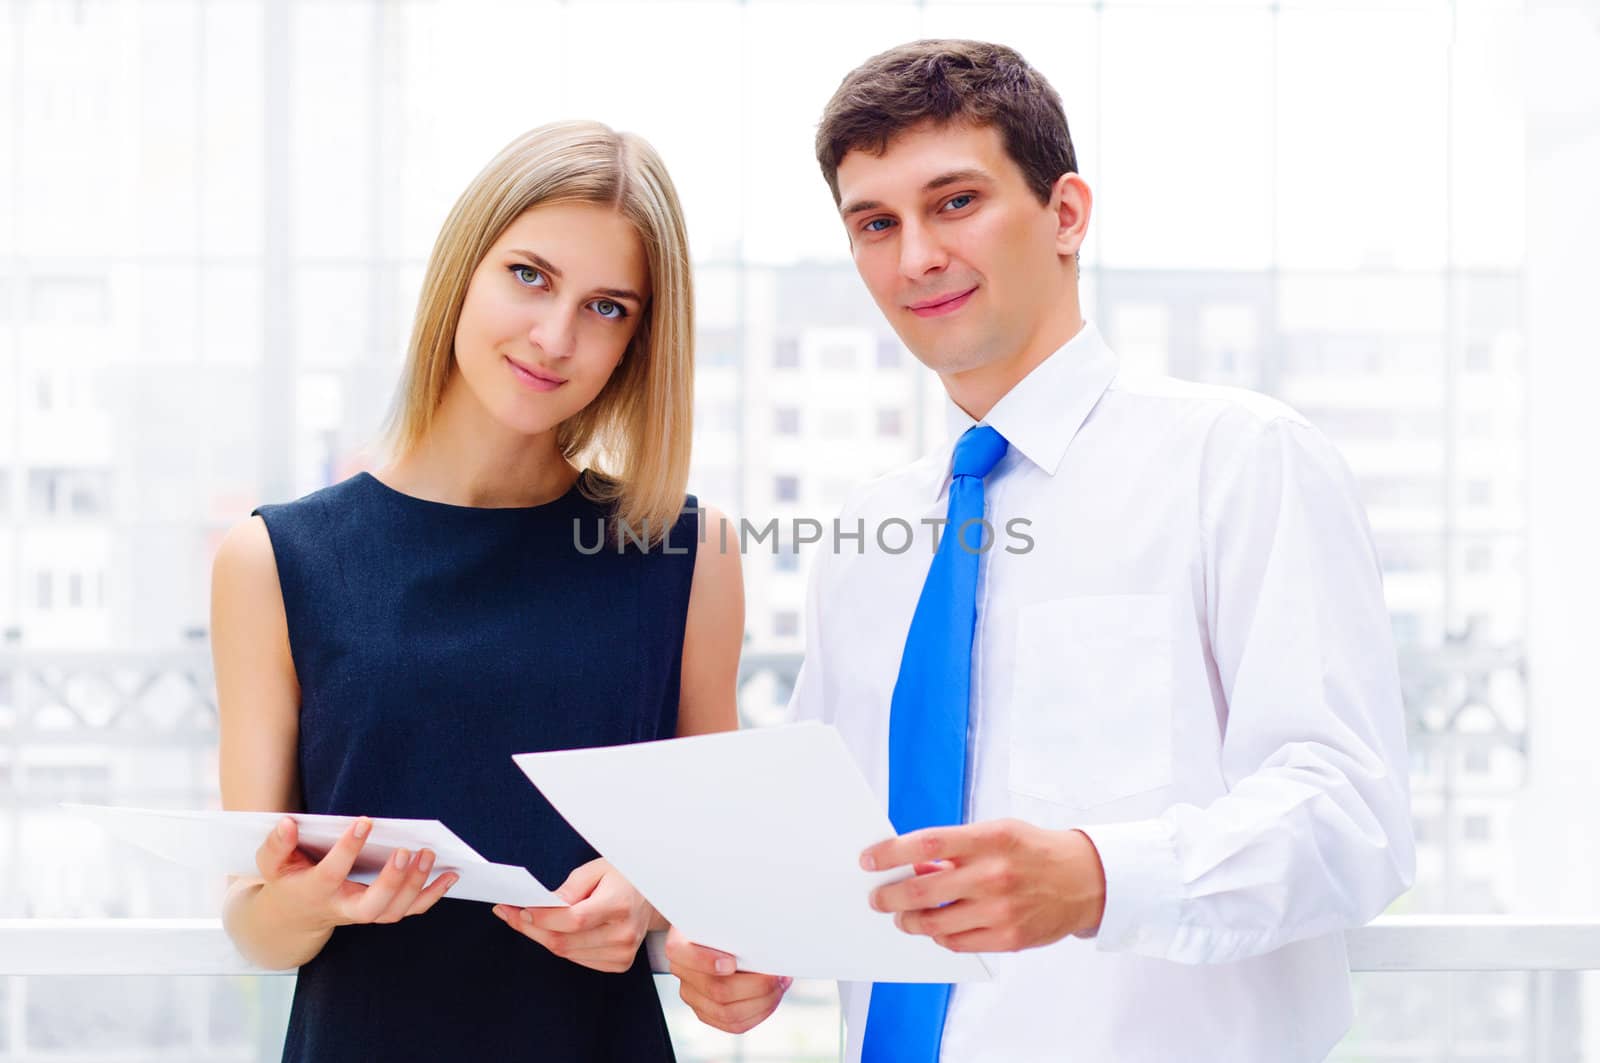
point(600, 908)
point(922, 846)
point(583, 880)
point(614, 936)
point(685, 954)
point(738, 1017)
point(925, 891)
point(416, 876)
point(371, 902)
point(983, 939)
point(278, 853)
point(609, 961)
point(728, 990)
point(430, 896)
point(958, 918)
point(335, 866)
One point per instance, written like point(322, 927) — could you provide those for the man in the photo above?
point(1146, 751)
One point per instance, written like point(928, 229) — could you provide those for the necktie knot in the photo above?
point(978, 450)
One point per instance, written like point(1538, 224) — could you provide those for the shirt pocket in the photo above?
point(1091, 699)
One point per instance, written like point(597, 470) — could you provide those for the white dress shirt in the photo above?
point(1192, 664)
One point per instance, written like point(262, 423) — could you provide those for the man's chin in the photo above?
point(949, 360)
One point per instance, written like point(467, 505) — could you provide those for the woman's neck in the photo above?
point(467, 459)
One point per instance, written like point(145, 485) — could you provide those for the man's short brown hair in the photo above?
point(973, 82)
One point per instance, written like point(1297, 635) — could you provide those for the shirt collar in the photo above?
point(1040, 415)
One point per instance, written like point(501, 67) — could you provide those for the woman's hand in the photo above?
point(604, 926)
point(317, 895)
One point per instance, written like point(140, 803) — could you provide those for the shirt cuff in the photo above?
point(1143, 886)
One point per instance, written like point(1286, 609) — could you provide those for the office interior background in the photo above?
point(214, 218)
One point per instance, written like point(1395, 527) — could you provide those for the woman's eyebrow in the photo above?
point(550, 268)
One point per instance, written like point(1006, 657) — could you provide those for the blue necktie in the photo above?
point(928, 730)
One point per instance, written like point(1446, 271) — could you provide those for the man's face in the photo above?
point(957, 251)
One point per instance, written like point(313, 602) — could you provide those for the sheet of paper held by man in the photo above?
point(750, 842)
point(226, 843)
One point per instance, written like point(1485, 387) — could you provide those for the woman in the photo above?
point(383, 646)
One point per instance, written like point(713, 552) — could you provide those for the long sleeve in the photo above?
point(807, 702)
point(1313, 834)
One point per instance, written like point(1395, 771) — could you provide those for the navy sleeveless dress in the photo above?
point(431, 643)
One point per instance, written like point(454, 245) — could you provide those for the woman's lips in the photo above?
point(533, 378)
point(947, 305)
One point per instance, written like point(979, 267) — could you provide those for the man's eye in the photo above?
point(871, 226)
point(957, 202)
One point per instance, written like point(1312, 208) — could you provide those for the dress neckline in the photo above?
point(394, 492)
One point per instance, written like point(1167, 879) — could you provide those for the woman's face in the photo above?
point(549, 313)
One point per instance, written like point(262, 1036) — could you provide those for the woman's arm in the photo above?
point(283, 918)
point(708, 694)
point(258, 702)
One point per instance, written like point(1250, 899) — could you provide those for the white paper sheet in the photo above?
point(750, 843)
point(226, 843)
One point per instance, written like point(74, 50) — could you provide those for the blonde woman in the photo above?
point(383, 646)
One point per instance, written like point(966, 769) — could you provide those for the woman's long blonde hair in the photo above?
point(636, 433)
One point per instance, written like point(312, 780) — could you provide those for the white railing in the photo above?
point(200, 947)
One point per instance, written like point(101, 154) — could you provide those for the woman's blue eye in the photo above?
point(957, 202)
point(609, 310)
point(529, 276)
point(876, 221)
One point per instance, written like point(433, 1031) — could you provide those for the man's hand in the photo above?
point(730, 1000)
point(998, 886)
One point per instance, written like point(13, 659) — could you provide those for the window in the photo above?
point(888, 354)
point(69, 492)
point(786, 355)
point(890, 422)
point(838, 356)
point(786, 488)
point(1475, 828)
point(786, 623)
point(786, 421)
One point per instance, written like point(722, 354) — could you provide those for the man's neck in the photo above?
point(977, 391)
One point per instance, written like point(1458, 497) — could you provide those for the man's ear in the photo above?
point(1071, 202)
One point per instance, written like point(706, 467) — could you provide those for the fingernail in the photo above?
point(724, 966)
point(868, 863)
point(785, 983)
point(283, 828)
point(425, 861)
point(401, 859)
point(527, 916)
point(363, 827)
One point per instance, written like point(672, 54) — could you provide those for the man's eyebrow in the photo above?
point(549, 267)
point(859, 206)
point(955, 177)
point(951, 178)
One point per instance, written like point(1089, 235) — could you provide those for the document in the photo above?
point(750, 842)
point(226, 843)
